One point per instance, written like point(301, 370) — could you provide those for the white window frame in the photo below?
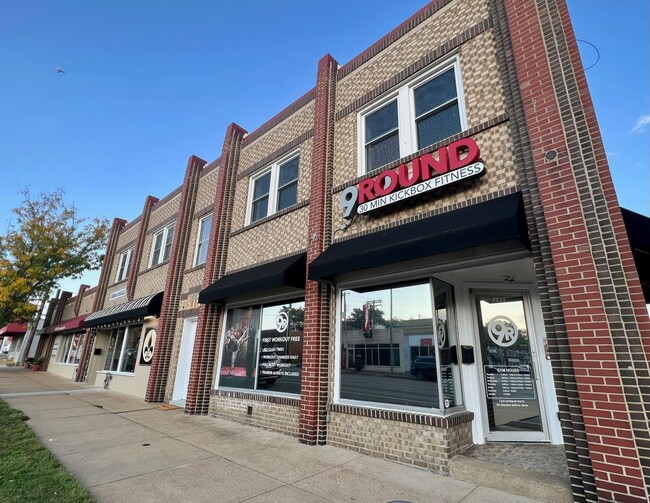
point(124, 264)
point(406, 123)
point(120, 361)
point(164, 233)
point(199, 242)
point(274, 169)
point(64, 356)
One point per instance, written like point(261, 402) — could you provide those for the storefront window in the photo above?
point(390, 346)
point(262, 348)
point(123, 349)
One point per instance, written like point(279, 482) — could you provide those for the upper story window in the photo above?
point(162, 245)
point(202, 240)
point(274, 189)
point(418, 114)
point(124, 265)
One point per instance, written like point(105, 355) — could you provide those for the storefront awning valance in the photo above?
point(14, 329)
point(66, 326)
point(499, 221)
point(145, 306)
point(638, 233)
point(286, 272)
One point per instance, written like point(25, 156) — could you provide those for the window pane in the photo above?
point(260, 209)
point(382, 152)
point(79, 348)
point(130, 348)
point(74, 347)
point(382, 330)
point(287, 196)
point(288, 172)
point(438, 126)
point(281, 348)
point(66, 349)
point(157, 245)
point(203, 240)
point(239, 348)
point(381, 122)
point(168, 243)
point(261, 186)
point(435, 92)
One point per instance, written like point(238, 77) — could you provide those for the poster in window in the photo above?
point(148, 346)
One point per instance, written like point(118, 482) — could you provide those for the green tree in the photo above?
point(356, 319)
point(46, 242)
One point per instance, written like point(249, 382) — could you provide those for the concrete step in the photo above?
point(528, 483)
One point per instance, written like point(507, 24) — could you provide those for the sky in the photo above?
point(149, 83)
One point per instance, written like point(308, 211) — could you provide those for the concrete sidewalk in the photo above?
point(123, 449)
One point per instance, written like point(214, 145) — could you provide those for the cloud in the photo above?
point(641, 124)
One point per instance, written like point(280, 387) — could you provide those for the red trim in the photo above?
point(14, 329)
point(65, 326)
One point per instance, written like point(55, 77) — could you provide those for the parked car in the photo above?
point(424, 367)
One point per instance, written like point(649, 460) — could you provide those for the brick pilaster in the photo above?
point(102, 285)
point(315, 344)
point(80, 296)
point(598, 292)
point(149, 203)
point(174, 283)
point(206, 340)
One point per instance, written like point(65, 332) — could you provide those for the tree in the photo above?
point(46, 243)
point(356, 318)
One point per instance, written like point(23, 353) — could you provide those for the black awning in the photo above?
point(499, 221)
point(638, 233)
point(139, 308)
point(286, 272)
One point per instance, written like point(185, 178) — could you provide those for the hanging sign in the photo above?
point(454, 163)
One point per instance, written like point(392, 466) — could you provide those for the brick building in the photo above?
point(422, 253)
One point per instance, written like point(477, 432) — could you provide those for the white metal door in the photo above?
point(184, 362)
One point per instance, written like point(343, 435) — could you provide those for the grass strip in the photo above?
point(28, 471)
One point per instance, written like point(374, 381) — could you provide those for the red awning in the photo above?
point(66, 326)
point(14, 329)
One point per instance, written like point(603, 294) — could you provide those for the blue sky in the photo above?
point(149, 83)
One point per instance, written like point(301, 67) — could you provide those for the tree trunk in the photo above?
point(24, 350)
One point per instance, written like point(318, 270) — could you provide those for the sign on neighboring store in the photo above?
point(454, 163)
point(117, 294)
point(148, 346)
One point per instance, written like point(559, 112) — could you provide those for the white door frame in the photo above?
point(184, 363)
point(472, 375)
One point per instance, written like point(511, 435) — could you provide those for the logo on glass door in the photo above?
point(503, 331)
point(281, 321)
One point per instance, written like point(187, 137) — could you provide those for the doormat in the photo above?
point(165, 406)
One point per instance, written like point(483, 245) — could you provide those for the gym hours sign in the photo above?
point(456, 162)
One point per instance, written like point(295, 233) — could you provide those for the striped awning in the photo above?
point(139, 308)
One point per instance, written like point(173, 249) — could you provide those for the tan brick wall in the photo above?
point(288, 130)
point(125, 239)
point(414, 444)
point(268, 416)
point(68, 310)
point(284, 235)
point(192, 280)
point(86, 306)
point(482, 87)
point(438, 29)
point(160, 214)
point(151, 282)
point(114, 288)
point(496, 152)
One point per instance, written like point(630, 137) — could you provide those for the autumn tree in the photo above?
point(45, 242)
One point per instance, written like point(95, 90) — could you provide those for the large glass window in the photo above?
point(162, 245)
point(420, 113)
point(274, 189)
point(71, 351)
point(397, 349)
point(123, 349)
point(262, 348)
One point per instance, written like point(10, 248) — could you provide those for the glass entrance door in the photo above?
point(511, 382)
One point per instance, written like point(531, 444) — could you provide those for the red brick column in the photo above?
point(102, 285)
point(606, 323)
point(149, 203)
point(206, 340)
point(315, 344)
point(161, 361)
